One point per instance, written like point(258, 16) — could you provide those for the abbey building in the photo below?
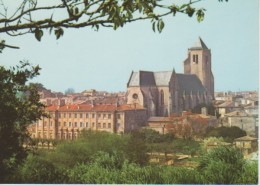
point(166, 92)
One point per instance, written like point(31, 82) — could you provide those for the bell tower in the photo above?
point(199, 63)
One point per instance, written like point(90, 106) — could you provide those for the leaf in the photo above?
point(38, 34)
point(154, 26)
point(59, 32)
point(200, 15)
point(190, 11)
point(161, 25)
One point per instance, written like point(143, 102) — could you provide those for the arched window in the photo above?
point(162, 97)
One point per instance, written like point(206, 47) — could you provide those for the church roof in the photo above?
point(199, 45)
point(162, 78)
point(186, 82)
point(147, 78)
point(189, 82)
point(141, 78)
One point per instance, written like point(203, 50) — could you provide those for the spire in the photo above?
point(199, 45)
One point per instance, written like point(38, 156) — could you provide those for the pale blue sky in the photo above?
point(103, 60)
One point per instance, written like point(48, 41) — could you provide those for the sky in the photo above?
point(86, 59)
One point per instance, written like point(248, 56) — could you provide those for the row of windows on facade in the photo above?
point(81, 124)
point(87, 115)
point(60, 135)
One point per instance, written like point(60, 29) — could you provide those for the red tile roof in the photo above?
point(88, 107)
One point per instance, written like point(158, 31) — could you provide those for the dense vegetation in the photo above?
point(19, 106)
point(228, 133)
point(100, 157)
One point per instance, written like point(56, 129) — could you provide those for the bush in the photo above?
point(228, 133)
point(228, 159)
point(37, 170)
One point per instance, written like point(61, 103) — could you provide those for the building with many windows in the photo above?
point(67, 121)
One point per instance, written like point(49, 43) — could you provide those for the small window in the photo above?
point(87, 115)
point(99, 115)
point(86, 124)
point(69, 115)
point(80, 115)
point(118, 116)
point(195, 58)
point(64, 124)
point(93, 115)
point(81, 124)
point(99, 125)
point(109, 116)
point(75, 115)
point(104, 115)
point(59, 115)
point(104, 125)
point(69, 124)
point(93, 124)
point(59, 124)
point(64, 115)
point(109, 125)
point(75, 124)
point(135, 96)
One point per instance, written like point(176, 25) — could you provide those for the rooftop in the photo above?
point(89, 107)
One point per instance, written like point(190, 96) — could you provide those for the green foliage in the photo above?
point(180, 175)
point(186, 146)
point(228, 159)
point(103, 158)
point(249, 173)
point(217, 140)
point(89, 13)
point(228, 133)
point(152, 136)
point(19, 103)
point(37, 170)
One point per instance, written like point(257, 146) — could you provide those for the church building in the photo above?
point(165, 92)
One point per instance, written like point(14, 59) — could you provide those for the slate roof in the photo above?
point(148, 78)
point(186, 82)
point(199, 45)
point(162, 78)
point(189, 82)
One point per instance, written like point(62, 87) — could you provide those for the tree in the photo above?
point(87, 13)
point(19, 107)
point(228, 133)
point(37, 170)
point(69, 91)
point(228, 159)
point(39, 86)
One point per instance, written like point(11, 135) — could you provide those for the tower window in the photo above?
point(195, 58)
